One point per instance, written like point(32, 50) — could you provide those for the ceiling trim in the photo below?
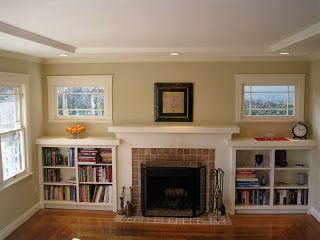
point(178, 59)
point(180, 49)
point(297, 37)
point(21, 33)
point(20, 56)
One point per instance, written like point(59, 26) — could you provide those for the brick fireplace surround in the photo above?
point(169, 157)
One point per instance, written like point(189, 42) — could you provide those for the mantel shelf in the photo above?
point(174, 129)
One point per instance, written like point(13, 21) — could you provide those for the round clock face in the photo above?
point(300, 130)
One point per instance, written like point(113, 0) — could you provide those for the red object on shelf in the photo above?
point(271, 139)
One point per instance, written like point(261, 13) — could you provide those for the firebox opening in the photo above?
point(173, 191)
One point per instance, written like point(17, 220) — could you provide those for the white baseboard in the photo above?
point(315, 213)
point(19, 221)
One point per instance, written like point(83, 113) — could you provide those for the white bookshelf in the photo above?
point(70, 175)
point(280, 180)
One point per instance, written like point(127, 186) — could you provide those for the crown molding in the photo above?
point(20, 56)
point(21, 33)
point(178, 59)
point(297, 37)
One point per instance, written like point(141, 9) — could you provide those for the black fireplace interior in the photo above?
point(173, 191)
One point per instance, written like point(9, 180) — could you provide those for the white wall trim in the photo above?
point(315, 213)
point(297, 37)
point(19, 221)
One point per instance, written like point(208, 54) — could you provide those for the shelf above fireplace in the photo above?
point(173, 129)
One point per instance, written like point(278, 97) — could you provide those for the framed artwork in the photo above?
point(173, 102)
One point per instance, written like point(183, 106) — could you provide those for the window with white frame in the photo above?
point(269, 97)
point(14, 141)
point(85, 98)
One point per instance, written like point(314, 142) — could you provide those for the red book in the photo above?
point(109, 173)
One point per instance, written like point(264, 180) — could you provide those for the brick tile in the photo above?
point(166, 150)
point(186, 151)
point(153, 151)
point(173, 150)
point(193, 150)
point(180, 150)
point(147, 151)
point(199, 151)
point(134, 150)
point(141, 150)
point(205, 151)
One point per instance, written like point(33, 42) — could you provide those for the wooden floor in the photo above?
point(89, 225)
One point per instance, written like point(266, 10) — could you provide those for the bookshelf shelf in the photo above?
point(291, 186)
point(97, 183)
point(254, 168)
point(281, 194)
point(249, 188)
point(59, 167)
point(69, 182)
point(94, 164)
point(59, 183)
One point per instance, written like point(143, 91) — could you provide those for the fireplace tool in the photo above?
point(218, 207)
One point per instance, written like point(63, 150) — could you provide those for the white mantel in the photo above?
point(173, 129)
point(184, 136)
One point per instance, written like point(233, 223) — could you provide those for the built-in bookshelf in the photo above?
point(271, 176)
point(78, 173)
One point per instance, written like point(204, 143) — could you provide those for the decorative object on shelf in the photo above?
point(122, 196)
point(259, 160)
point(280, 158)
point(298, 165)
point(263, 181)
point(173, 102)
point(300, 130)
point(219, 208)
point(76, 130)
point(301, 178)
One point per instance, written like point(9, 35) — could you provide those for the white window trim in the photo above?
point(298, 80)
point(104, 81)
point(21, 80)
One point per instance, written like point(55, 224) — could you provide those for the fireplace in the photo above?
point(173, 191)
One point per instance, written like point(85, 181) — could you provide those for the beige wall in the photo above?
point(315, 119)
point(20, 197)
point(214, 91)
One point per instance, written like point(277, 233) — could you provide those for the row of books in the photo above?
point(246, 178)
point(106, 155)
point(87, 155)
point(253, 197)
point(51, 175)
point(95, 193)
point(60, 193)
point(95, 173)
point(53, 157)
point(291, 197)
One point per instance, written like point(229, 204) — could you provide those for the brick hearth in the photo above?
point(169, 157)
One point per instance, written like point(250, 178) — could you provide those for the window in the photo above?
point(85, 98)
point(13, 128)
point(269, 97)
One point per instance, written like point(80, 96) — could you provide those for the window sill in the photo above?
point(7, 185)
point(79, 121)
point(277, 121)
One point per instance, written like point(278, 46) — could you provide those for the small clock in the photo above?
point(300, 130)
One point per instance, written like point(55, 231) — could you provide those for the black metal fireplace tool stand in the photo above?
point(216, 198)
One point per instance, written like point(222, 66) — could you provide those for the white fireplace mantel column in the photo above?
point(157, 136)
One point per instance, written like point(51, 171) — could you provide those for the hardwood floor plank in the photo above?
point(53, 224)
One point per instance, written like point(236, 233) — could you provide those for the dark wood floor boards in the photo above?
point(97, 225)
